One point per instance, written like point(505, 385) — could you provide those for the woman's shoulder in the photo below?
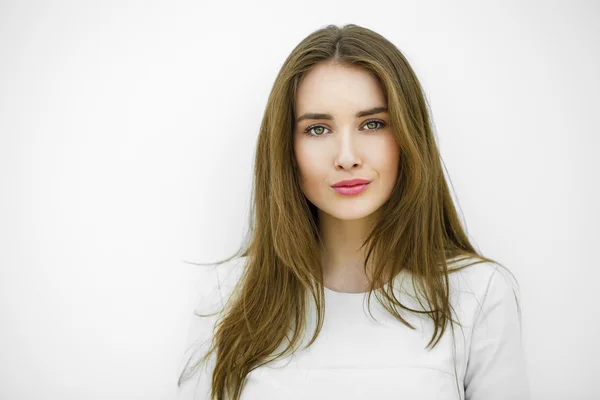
point(484, 285)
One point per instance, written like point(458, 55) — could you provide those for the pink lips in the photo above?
point(351, 187)
point(350, 190)
point(351, 182)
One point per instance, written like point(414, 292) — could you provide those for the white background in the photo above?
point(127, 135)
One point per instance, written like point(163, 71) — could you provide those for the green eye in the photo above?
point(315, 128)
point(373, 124)
point(318, 128)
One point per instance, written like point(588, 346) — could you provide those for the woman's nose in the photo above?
point(348, 153)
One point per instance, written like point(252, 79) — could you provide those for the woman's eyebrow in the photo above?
point(371, 111)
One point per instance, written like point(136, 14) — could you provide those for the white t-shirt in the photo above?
point(358, 357)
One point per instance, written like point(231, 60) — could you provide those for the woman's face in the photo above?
point(343, 145)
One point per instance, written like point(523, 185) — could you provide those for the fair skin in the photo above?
point(344, 147)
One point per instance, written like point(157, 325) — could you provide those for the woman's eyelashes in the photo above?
point(375, 124)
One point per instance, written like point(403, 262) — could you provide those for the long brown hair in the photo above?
point(419, 233)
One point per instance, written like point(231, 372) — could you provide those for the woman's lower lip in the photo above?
point(350, 190)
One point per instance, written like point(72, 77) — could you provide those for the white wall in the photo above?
point(127, 131)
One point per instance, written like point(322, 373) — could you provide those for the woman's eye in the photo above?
point(373, 125)
point(318, 129)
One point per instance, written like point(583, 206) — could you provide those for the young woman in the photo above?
point(349, 202)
